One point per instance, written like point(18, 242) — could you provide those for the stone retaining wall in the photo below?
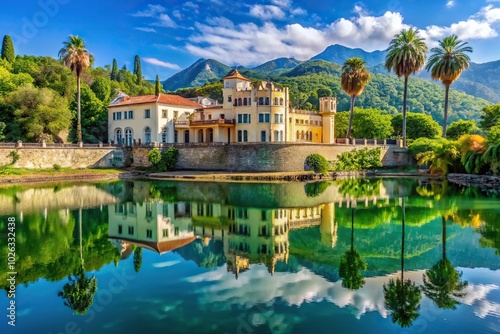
point(259, 157)
point(64, 157)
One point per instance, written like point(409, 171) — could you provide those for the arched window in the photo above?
point(118, 136)
point(281, 101)
point(310, 135)
point(147, 135)
point(200, 136)
point(249, 101)
point(245, 101)
point(164, 136)
point(302, 135)
point(275, 101)
point(261, 101)
point(239, 101)
point(298, 134)
point(186, 136)
point(267, 101)
point(176, 136)
point(129, 137)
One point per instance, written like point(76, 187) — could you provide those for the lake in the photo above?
point(345, 256)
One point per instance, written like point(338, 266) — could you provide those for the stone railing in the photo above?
point(43, 144)
point(366, 142)
point(212, 121)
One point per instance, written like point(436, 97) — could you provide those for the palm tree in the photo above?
point(446, 64)
point(354, 78)
point(406, 56)
point(351, 264)
point(402, 297)
point(75, 56)
point(442, 282)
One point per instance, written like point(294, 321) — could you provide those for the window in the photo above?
point(240, 102)
point(261, 101)
point(119, 115)
point(209, 117)
point(281, 101)
point(164, 136)
point(281, 118)
point(245, 101)
point(246, 118)
point(125, 114)
point(264, 118)
point(131, 230)
point(176, 136)
point(130, 114)
point(186, 136)
point(276, 135)
point(245, 135)
point(240, 136)
point(275, 101)
point(176, 231)
point(276, 118)
point(149, 233)
point(263, 136)
point(165, 233)
point(200, 209)
point(267, 101)
point(120, 230)
point(149, 210)
point(281, 135)
point(114, 116)
point(263, 215)
point(129, 135)
point(164, 113)
point(210, 210)
point(118, 136)
point(147, 113)
point(240, 118)
point(229, 99)
point(147, 135)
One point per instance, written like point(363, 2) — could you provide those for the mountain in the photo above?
point(201, 72)
point(276, 66)
point(338, 54)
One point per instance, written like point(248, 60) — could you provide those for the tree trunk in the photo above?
point(443, 221)
point(352, 230)
point(80, 224)
point(445, 118)
point(404, 110)
point(353, 98)
point(403, 242)
point(78, 114)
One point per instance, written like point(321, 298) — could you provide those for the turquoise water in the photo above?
point(193, 257)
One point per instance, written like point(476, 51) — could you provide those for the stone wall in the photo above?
point(64, 157)
point(267, 157)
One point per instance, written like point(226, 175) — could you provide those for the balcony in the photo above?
point(212, 121)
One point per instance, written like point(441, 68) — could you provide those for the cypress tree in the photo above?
point(114, 71)
point(8, 49)
point(157, 86)
point(137, 70)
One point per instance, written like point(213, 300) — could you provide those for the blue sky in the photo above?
point(170, 35)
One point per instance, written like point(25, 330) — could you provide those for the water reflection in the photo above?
point(370, 245)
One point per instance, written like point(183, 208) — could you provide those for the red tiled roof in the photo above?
point(234, 74)
point(171, 99)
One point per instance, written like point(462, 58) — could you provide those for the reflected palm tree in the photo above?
point(351, 264)
point(402, 297)
point(442, 283)
point(78, 293)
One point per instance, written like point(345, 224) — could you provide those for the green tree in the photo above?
point(341, 122)
point(460, 128)
point(94, 117)
point(114, 71)
point(442, 282)
point(8, 49)
point(75, 56)
point(157, 86)
point(406, 56)
point(40, 114)
point(137, 70)
point(439, 154)
point(418, 126)
point(354, 78)
point(102, 88)
point(490, 116)
point(402, 297)
point(78, 293)
point(351, 264)
point(371, 123)
point(2, 130)
point(493, 135)
point(446, 64)
point(324, 92)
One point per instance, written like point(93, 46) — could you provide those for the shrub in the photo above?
point(316, 188)
point(493, 135)
point(317, 163)
point(357, 160)
point(57, 167)
point(163, 161)
point(154, 156)
point(439, 154)
point(15, 157)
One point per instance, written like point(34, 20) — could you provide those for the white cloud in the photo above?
point(152, 11)
point(267, 12)
point(450, 3)
point(165, 21)
point(260, 43)
point(177, 14)
point(282, 3)
point(189, 6)
point(145, 29)
point(157, 62)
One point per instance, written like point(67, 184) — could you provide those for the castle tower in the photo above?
point(328, 109)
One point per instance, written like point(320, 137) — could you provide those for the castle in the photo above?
point(250, 112)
